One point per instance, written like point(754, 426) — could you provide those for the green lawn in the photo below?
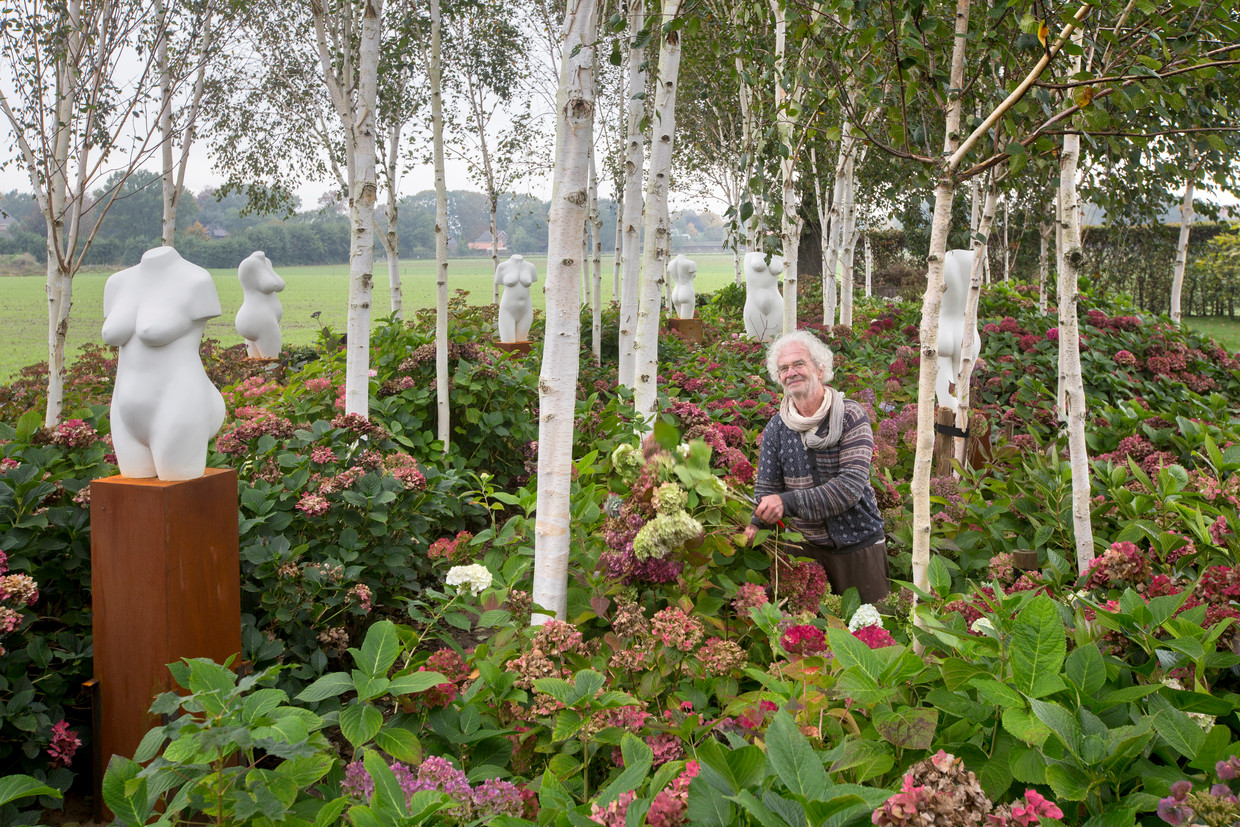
point(1223, 328)
point(324, 289)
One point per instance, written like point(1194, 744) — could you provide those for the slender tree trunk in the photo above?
point(362, 195)
point(634, 164)
point(168, 225)
point(656, 251)
point(558, 378)
point(596, 233)
point(1070, 342)
point(848, 235)
point(824, 230)
point(1181, 247)
point(969, 345)
point(443, 411)
point(790, 221)
point(1046, 226)
point(391, 238)
point(932, 304)
point(615, 253)
point(1007, 258)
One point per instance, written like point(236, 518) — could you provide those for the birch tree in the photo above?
point(194, 28)
point(79, 81)
point(1181, 247)
point(434, 69)
point(633, 199)
point(656, 248)
point(348, 35)
point(557, 385)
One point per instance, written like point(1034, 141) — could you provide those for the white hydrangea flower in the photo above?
point(1202, 720)
point(474, 577)
point(981, 626)
point(866, 615)
point(684, 450)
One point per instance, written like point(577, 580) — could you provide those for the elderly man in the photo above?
point(815, 470)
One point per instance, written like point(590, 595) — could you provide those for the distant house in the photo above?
point(6, 222)
point(483, 242)
point(216, 231)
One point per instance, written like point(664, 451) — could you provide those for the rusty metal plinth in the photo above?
point(688, 329)
point(165, 585)
point(515, 348)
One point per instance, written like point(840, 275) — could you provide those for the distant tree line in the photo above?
point(219, 232)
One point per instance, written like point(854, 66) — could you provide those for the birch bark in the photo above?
point(391, 236)
point(656, 249)
point(1181, 247)
point(557, 384)
point(1071, 381)
point(634, 204)
point(932, 304)
point(435, 70)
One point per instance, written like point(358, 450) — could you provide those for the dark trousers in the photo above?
point(865, 569)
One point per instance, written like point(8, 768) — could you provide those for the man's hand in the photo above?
point(770, 509)
point(751, 531)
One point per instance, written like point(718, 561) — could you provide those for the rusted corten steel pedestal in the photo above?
point(689, 329)
point(165, 585)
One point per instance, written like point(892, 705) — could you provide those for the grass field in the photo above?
point(324, 289)
point(1223, 328)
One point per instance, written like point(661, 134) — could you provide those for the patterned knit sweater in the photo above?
point(842, 511)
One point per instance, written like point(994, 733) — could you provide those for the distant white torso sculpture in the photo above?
point(682, 271)
point(764, 305)
point(164, 407)
point(957, 269)
point(258, 320)
point(516, 310)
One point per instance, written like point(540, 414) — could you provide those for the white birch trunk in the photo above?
point(968, 343)
point(824, 225)
point(1181, 247)
point(848, 235)
point(615, 253)
point(750, 225)
point(173, 183)
point(634, 164)
point(391, 237)
point(932, 305)
point(1007, 248)
point(168, 181)
point(656, 250)
point(557, 385)
point(596, 234)
point(444, 431)
point(790, 224)
point(869, 268)
point(1070, 344)
point(362, 193)
point(1046, 226)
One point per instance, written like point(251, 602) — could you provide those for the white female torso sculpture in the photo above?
point(764, 305)
point(258, 320)
point(516, 310)
point(164, 407)
point(957, 271)
point(682, 272)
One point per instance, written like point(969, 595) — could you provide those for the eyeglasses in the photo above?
point(798, 366)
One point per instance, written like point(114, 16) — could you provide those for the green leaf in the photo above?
point(359, 722)
point(212, 683)
point(379, 649)
point(1179, 731)
point(867, 759)
point(638, 758)
point(557, 688)
point(13, 787)
point(851, 653)
point(907, 727)
point(1086, 670)
point(1114, 817)
point(388, 797)
point(731, 771)
point(759, 811)
point(1069, 784)
point(328, 686)
point(306, 770)
point(399, 743)
point(1025, 726)
point(128, 808)
point(1028, 765)
point(1061, 722)
point(939, 576)
point(1038, 648)
point(707, 808)
point(793, 759)
point(999, 694)
point(587, 683)
point(415, 682)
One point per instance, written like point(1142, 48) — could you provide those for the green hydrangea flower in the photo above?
point(669, 498)
point(664, 534)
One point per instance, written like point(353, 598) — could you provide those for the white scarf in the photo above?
point(807, 426)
